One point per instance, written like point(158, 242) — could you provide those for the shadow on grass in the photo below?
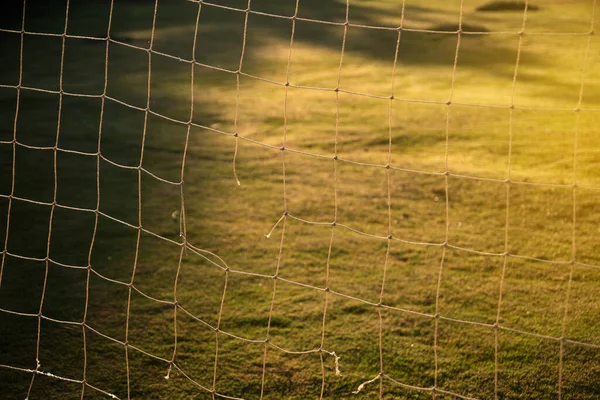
point(114, 249)
point(226, 28)
point(506, 6)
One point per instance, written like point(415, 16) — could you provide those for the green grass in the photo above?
point(501, 6)
point(231, 221)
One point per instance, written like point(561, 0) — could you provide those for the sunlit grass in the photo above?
point(477, 135)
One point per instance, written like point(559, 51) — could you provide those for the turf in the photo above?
point(471, 136)
point(504, 6)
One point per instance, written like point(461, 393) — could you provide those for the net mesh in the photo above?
point(185, 247)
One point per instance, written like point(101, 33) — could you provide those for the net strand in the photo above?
point(305, 153)
point(309, 351)
point(217, 330)
point(284, 216)
point(96, 211)
point(507, 201)
point(335, 209)
point(182, 213)
point(309, 222)
point(446, 206)
point(184, 245)
point(316, 350)
point(291, 85)
point(139, 202)
point(576, 133)
point(14, 141)
point(389, 200)
point(53, 205)
point(237, 104)
point(237, 91)
point(386, 28)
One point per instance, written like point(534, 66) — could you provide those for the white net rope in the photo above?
point(219, 262)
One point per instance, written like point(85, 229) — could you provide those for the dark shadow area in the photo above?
point(82, 179)
point(416, 48)
point(506, 6)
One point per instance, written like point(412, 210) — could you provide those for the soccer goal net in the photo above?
point(253, 199)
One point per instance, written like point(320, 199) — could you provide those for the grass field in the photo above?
point(509, 189)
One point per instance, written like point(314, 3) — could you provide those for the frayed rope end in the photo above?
point(362, 385)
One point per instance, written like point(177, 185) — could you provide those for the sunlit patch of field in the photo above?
point(508, 189)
